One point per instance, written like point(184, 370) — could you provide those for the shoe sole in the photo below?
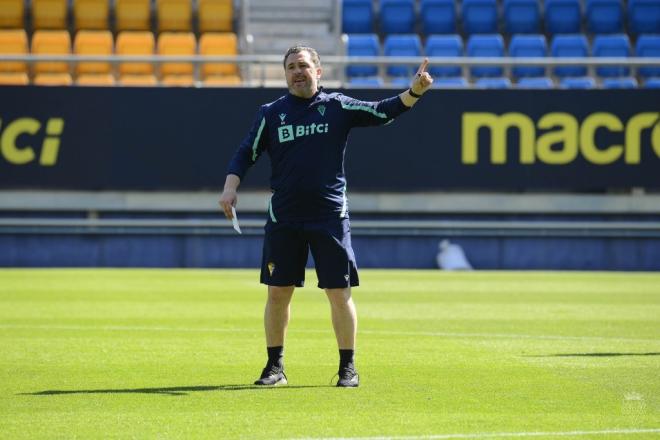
point(278, 383)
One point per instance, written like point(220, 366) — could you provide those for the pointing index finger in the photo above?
point(422, 67)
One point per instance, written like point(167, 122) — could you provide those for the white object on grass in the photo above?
point(452, 257)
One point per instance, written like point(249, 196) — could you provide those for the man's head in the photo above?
point(302, 69)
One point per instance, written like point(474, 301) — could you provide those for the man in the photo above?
point(304, 133)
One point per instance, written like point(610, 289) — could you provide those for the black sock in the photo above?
point(275, 356)
point(346, 359)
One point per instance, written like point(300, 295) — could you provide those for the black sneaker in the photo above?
point(348, 377)
point(272, 375)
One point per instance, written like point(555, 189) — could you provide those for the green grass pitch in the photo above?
point(172, 353)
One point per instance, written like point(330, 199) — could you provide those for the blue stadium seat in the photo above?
point(485, 46)
point(652, 83)
point(362, 45)
point(604, 16)
point(397, 16)
point(563, 16)
point(479, 16)
point(627, 82)
point(522, 16)
point(617, 45)
point(648, 46)
point(365, 82)
point(399, 46)
point(493, 83)
point(438, 16)
point(528, 46)
point(570, 46)
point(450, 83)
point(644, 16)
point(584, 82)
point(444, 46)
point(400, 81)
point(542, 82)
point(357, 17)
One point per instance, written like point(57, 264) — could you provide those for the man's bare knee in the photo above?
point(280, 295)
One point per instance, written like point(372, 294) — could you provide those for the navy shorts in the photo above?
point(287, 245)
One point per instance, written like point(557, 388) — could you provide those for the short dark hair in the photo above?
point(314, 55)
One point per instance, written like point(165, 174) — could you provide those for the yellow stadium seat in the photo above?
point(49, 14)
point(51, 43)
point(215, 43)
point(91, 14)
point(135, 43)
point(14, 79)
point(93, 43)
point(138, 80)
point(132, 15)
point(95, 79)
point(52, 79)
point(12, 14)
point(222, 81)
point(176, 43)
point(178, 80)
point(215, 15)
point(174, 15)
point(13, 42)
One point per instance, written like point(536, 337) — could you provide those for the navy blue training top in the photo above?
point(306, 141)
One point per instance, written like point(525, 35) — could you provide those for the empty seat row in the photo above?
point(128, 43)
point(515, 16)
point(543, 82)
point(170, 15)
point(521, 45)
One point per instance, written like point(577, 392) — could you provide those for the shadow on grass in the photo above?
point(594, 354)
point(171, 391)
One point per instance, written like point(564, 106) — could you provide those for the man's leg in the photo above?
point(276, 321)
point(344, 321)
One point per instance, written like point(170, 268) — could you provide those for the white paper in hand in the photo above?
point(234, 220)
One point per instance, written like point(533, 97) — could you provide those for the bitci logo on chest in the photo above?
point(288, 133)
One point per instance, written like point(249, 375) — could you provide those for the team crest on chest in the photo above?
point(282, 117)
point(321, 109)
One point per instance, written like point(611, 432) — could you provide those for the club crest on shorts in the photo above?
point(271, 268)
point(346, 277)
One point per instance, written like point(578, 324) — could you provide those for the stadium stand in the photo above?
point(91, 14)
point(362, 45)
point(522, 16)
point(563, 16)
point(438, 16)
point(397, 16)
point(652, 83)
point(528, 46)
point(49, 42)
point(617, 45)
point(12, 14)
point(367, 82)
point(451, 83)
point(398, 46)
point(604, 16)
point(444, 46)
point(15, 42)
point(570, 46)
point(644, 16)
point(357, 17)
point(491, 46)
point(219, 43)
point(49, 14)
point(132, 15)
point(479, 16)
point(174, 15)
point(215, 15)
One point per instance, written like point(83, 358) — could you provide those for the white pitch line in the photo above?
point(369, 332)
point(493, 435)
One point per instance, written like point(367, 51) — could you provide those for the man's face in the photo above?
point(302, 76)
